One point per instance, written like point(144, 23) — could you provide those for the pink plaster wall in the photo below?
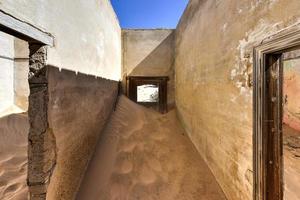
point(291, 92)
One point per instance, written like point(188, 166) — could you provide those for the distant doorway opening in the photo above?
point(149, 91)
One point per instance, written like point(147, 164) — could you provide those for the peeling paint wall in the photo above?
point(213, 76)
point(149, 53)
point(87, 33)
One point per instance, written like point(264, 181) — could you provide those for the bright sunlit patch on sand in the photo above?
point(147, 93)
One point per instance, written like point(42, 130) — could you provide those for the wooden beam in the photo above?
point(23, 30)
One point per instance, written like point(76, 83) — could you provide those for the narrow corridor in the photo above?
point(145, 155)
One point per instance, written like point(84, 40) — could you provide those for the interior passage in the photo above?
point(145, 155)
point(291, 125)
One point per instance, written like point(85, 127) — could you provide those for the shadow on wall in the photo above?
point(158, 62)
point(79, 106)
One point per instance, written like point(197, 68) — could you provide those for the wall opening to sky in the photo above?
point(149, 14)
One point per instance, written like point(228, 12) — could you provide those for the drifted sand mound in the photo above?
point(13, 157)
point(145, 155)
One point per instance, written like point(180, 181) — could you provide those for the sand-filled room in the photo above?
point(150, 100)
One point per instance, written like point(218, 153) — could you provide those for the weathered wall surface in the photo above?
point(7, 71)
point(21, 69)
point(87, 33)
point(213, 70)
point(79, 106)
point(14, 88)
point(149, 53)
point(291, 92)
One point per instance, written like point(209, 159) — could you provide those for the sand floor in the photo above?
point(143, 155)
point(291, 152)
point(13, 157)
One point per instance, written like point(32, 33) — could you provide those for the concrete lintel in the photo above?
point(24, 30)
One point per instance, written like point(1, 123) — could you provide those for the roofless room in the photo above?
point(150, 100)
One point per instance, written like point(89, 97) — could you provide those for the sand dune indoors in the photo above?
point(145, 155)
point(13, 157)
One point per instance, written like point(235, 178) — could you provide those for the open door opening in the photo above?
point(277, 118)
point(149, 91)
point(291, 124)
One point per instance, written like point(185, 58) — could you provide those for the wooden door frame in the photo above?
point(264, 55)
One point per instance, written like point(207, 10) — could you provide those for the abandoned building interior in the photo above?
point(207, 111)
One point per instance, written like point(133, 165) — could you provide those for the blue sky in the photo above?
point(149, 13)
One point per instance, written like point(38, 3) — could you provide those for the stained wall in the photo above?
point(213, 80)
point(149, 52)
point(7, 72)
point(87, 33)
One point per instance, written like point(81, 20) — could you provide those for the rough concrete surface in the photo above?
point(79, 106)
point(145, 155)
point(149, 53)
point(42, 144)
point(213, 70)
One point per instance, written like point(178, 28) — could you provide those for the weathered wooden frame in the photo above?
point(270, 48)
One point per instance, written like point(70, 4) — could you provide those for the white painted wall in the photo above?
point(21, 69)
point(87, 33)
point(14, 87)
point(7, 71)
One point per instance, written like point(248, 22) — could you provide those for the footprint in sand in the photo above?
point(127, 146)
point(147, 176)
point(159, 136)
point(124, 167)
point(154, 164)
point(118, 192)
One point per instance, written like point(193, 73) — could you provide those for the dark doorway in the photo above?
point(269, 102)
point(149, 91)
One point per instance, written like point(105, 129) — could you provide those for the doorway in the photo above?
point(149, 91)
point(272, 90)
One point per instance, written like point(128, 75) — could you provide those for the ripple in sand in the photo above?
point(124, 167)
point(127, 146)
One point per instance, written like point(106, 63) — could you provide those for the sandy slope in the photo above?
point(13, 157)
point(145, 155)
